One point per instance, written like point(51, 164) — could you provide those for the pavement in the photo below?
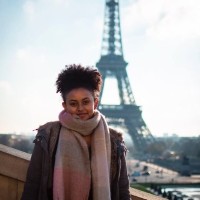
point(156, 174)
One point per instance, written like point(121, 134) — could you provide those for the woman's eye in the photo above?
point(86, 102)
point(73, 104)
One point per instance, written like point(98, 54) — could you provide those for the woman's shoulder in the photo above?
point(118, 146)
point(117, 141)
point(115, 135)
point(48, 129)
point(49, 125)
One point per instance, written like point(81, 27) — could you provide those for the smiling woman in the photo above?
point(79, 156)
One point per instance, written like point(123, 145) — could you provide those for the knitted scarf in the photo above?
point(77, 171)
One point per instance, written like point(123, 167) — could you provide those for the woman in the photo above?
point(79, 156)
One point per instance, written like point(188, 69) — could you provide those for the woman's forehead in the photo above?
point(79, 93)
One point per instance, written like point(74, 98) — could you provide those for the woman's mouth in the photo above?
point(81, 115)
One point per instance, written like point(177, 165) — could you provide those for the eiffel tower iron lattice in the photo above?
point(112, 64)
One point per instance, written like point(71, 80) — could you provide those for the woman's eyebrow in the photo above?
point(86, 98)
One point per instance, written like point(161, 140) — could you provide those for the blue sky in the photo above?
point(161, 43)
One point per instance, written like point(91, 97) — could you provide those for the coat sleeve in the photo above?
point(33, 178)
point(124, 193)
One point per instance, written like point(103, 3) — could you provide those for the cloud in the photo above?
point(163, 19)
point(5, 87)
point(58, 2)
point(23, 54)
point(29, 9)
point(141, 13)
point(44, 12)
point(61, 2)
point(31, 56)
point(181, 21)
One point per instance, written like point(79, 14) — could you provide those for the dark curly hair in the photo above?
point(76, 76)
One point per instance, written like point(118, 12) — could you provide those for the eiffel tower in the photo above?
point(126, 114)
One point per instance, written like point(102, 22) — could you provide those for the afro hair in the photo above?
point(76, 76)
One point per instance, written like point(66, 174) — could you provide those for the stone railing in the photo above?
point(13, 168)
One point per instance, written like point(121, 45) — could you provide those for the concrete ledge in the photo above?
point(14, 163)
point(13, 168)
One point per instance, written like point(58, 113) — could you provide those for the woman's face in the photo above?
point(80, 102)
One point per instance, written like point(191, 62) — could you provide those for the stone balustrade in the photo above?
point(13, 168)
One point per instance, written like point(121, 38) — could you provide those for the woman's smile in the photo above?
point(82, 115)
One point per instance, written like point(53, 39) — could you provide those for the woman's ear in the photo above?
point(96, 102)
point(64, 105)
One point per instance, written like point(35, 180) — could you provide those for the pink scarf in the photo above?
point(76, 172)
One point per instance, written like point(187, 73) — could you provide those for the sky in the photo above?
point(161, 43)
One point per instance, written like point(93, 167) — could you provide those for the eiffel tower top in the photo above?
point(112, 42)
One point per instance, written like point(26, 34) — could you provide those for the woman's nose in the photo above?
point(80, 107)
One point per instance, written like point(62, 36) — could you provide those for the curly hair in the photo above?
point(76, 76)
